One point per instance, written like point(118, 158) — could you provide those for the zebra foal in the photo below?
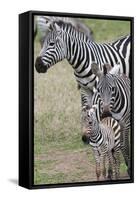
point(104, 137)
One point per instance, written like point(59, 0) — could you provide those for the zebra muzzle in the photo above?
point(86, 138)
point(40, 67)
point(106, 108)
point(106, 111)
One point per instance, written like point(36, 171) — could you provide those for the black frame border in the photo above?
point(28, 172)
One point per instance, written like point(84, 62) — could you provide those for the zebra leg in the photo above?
point(97, 160)
point(125, 148)
point(104, 167)
point(110, 167)
point(117, 175)
point(116, 163)
point(98, 171)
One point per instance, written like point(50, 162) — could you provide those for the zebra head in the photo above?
point(53, 50)
point(106, 86)
point(91, 122)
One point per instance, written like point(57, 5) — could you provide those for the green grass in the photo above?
point(59, 154)
point(108, 30)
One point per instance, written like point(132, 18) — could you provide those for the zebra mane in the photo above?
point(64, 24)
point(67, 26)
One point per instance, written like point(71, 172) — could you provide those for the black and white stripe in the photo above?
point(104, 137)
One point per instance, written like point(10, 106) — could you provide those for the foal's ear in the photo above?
point(85, 108)
point(94, 107)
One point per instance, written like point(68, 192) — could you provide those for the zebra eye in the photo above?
point(51, 43)
point(113, 89)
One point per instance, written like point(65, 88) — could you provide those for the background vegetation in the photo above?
point(59, 154)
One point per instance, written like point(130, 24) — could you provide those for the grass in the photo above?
point(59, 154)
point(107, 30)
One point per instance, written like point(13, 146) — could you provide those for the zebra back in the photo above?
point(125, 41)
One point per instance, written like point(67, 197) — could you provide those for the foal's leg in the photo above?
point(104, 166)
point(117, 164)
point(110, 167)
point(97, 159)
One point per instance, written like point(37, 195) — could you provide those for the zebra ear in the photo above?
point(95, 69)
point(51, 27)
point(94, 107)
point(56, 27)
point(107, 67)
point(85, 108)
point(115, 69)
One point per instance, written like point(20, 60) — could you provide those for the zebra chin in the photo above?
point(85, 139)
point(39, 65)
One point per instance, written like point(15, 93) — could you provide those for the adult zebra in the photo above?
point(114, 99)
point(64, 41)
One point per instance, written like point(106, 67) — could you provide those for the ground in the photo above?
point(59, 154)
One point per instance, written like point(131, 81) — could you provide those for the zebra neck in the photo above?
point(79, 55)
